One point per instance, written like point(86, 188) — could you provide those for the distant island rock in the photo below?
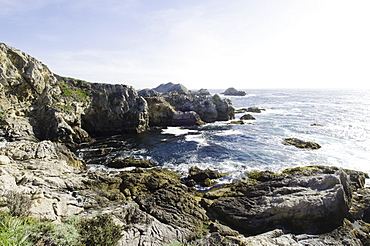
point(233, 92)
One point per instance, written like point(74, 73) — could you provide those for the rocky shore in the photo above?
point(43, 116)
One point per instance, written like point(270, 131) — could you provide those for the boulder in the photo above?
point(189, 118)
point(301, 143)
point(233, 92)
point(201, 177)
point(300, 204)
point(247, 117)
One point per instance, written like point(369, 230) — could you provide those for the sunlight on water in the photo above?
point(338, 120)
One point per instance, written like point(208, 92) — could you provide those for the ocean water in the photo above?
point(236, 149)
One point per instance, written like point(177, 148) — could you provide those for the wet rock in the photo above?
point(201, 177)
point(233, 92)
point(301, 143)
point(250, 109)
point(236, 122)
point(130, 162)
point(314, 124)
point(189, 118)
point(247, 117)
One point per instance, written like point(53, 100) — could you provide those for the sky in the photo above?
point(212, 44)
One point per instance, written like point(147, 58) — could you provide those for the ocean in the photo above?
point(338, 120)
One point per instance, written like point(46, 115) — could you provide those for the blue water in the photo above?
point(235, 149)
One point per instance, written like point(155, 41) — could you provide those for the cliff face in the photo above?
point(36, 104)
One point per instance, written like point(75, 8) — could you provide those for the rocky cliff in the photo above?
point(36, 104)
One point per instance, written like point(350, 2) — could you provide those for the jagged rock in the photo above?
point(301, 144)
point(247, 117)
point(130, 162)
point(299, 204)
point(202, 177)
point(189, 118)
point(26, 150)
point(115, 109)
point(160, 111)
point(172, 88)
point(174, 205)
point(201, 92)
point(149, 93)
point(39, 105)
point(225, 110)
point(139, 227)
point(233, 92)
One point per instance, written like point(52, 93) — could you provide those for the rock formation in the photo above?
point(42, 113)
point(301, 143)
point(39, 105)
point(233, 92)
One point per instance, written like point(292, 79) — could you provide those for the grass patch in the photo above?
point(81, 94)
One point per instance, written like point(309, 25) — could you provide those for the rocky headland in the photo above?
point(44, 116)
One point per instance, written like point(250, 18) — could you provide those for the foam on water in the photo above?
point(237, 149)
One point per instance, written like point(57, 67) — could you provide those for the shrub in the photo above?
point(51, 234)
point(100, 231)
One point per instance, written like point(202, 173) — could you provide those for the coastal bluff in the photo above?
point(44, 116)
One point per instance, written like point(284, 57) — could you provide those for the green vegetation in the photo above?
point(297, 170)
point(100, 231)
point(76, 93)
point(67, 108)
point(27, 231)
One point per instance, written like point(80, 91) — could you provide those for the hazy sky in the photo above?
point(199, 43)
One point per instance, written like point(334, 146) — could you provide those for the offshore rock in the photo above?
point(247, 117)
point(301, 144)
point(233, 92)
point(300, 204)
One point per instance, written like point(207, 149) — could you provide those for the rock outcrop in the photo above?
point(176, 103)
point(301, 143)
point(298, 203)
point(172, 88)
point(39, 105)
point(233, 92)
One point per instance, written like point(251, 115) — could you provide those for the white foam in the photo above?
point(197, 138)
point(230, 132)
point(177, 131)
